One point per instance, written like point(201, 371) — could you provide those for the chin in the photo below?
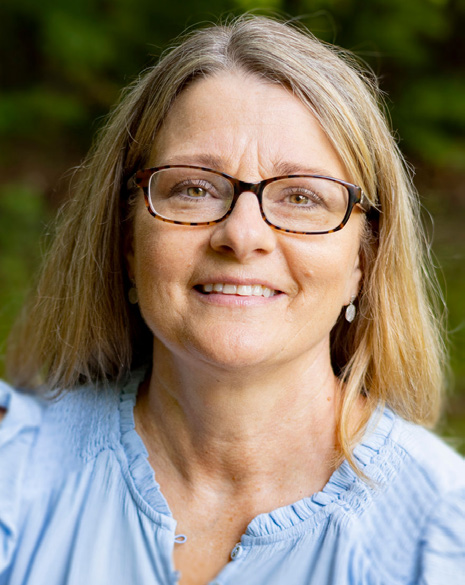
point(235, 351)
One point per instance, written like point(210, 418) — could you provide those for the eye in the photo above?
point(198, 189)
point(299, 199)
point(303, 197)
point(196, 192)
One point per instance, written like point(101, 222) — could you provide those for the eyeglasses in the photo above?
point(298, 204)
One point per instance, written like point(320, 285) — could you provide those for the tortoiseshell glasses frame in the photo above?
point(142, 179)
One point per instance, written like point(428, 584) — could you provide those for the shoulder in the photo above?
point(415, 521)
point(428, 457)
point(18, 433)
point(394, 450)
point(71, 427)
point(43, 442)
point(43, 439)
point(18, 430)
point(439, 473)
point(411, 470)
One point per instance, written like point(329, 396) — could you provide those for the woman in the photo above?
point(236, 301)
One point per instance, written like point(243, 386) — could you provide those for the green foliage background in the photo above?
point(63, 65)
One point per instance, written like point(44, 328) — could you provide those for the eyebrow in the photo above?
point(204, 160)
point(217, 163)
point(292, 168)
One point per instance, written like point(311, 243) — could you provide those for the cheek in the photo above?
point(164, 257)
point(159, 252)
point(156, 279)
point(325, 269)
point(157, 264)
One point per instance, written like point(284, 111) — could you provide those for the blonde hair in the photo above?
point(78, 326)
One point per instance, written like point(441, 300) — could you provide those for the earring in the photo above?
point(133, 297)
point(351, 310)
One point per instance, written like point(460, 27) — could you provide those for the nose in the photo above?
point(244, 233)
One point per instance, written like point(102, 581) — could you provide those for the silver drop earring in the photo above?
point(133, 297)
point(351, 310)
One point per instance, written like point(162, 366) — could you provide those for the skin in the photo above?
point(239, 412)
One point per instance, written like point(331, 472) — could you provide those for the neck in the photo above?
point(238, 430)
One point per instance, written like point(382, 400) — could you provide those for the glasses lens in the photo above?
point(189, 195)
point(305, 204)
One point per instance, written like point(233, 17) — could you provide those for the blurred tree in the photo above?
point(63, 63)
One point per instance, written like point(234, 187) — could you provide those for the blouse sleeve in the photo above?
point(18, 430)
point(443, 558)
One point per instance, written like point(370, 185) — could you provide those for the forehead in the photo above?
point(237, 122)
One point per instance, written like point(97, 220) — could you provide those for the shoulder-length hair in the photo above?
point(78, 327)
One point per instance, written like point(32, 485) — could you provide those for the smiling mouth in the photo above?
point(243, 290)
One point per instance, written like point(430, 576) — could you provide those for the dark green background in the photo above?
point(63, 64)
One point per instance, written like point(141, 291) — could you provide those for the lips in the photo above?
point(243, 290)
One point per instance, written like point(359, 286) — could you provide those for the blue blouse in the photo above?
point(79, 505)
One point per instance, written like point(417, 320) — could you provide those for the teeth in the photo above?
point(228, 289)
point(243, 290)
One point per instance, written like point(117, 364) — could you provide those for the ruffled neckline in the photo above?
point(345, 489)
point(142, 474)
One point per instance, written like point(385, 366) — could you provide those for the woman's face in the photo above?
point(252, 130)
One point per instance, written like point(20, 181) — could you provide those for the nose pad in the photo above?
point(248, 203)
point(244, 231)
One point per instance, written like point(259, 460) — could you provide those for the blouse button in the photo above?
point(236, 551)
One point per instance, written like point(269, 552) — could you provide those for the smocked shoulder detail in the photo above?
point(75, 428)
point(424, 450)
point(345, 494)
point(141, 472)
